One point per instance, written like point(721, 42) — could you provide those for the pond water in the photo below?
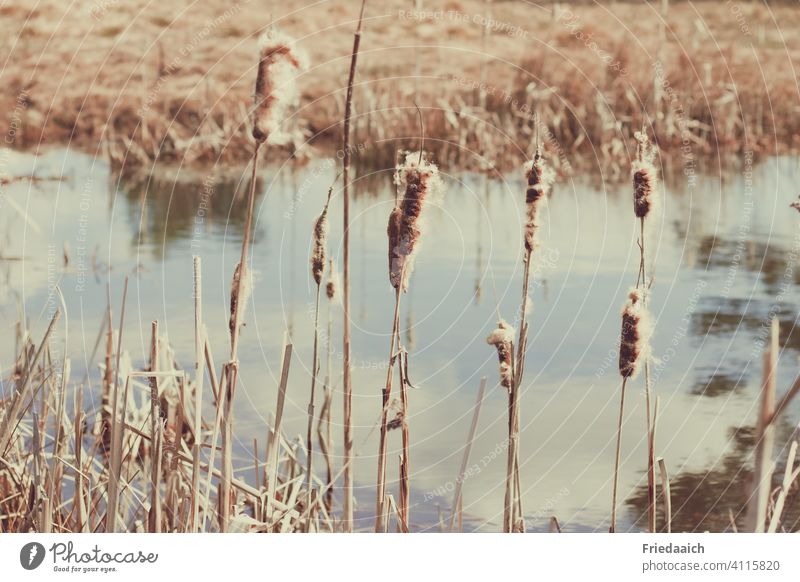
point(723, 252)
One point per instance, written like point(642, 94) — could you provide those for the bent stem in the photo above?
point(613, 527)
point(309, 439)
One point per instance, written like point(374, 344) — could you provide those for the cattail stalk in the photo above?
point(324, 433)
point(347, 517)
point(274, 91)
point(419, 179)
point(633, 351)
point(645, 198)
point(502, 339)
point(317, 271)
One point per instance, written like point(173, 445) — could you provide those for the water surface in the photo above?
point(722, 250)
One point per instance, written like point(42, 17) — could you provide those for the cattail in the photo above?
point(645, 176)
point(237, 300)
point(332, 287)
point(276, 89)
point(320, 243)
point(503, 339)
point(420, 179)
point(540, 178)
point(635, 337)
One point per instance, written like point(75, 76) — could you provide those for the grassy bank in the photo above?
point(139, 82)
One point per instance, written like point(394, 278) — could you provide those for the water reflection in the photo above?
point(720, 273)
point(714, 499)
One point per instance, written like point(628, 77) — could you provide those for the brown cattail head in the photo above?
point(634, 346)
point(540, 178)
point(502, 338)
point(332, 287)
point(238, 300)
point(645, 176)
point(419, 179)
point(276, 88)
point(320, 244)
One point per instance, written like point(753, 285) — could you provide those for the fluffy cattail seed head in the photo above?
point(320, 244)
point(276, 88)
point(645, 177)
point(540, 178)
point(419, 179)
point(502, 339)
point(634, 346)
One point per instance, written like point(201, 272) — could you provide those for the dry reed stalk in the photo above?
point(218, 396)
point(198, 390)
point(272, 463)
point(645, 200)
point(278, 59)
point(347, 514)
point(540, 178)
point(79, 502)
point(324, 427)
point(405, 489)
point(789, 477)
point(666, 494)
point(229, 372)
point(634, 348)
point(317, 271)
point(419, 179)
point(12, 414)
point(108, 379)
point(465, 459)
point(502, 339)
point(155, 437)
point(386, 398)
point(116, 427)
point(761, 482)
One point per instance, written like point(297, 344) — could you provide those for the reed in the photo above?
point(634, 350)
point(502, 338)
point(318, 256)
point(419, 179)
point(279, 60)
point(645, 202)
point(347, 518)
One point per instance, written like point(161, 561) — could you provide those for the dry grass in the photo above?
point(85, 78)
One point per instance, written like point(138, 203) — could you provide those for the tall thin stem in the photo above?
point(309, 439)
point(233, 364)
point(651, 462)
point(613, 527)
point(347, 517)
point(387, 393)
